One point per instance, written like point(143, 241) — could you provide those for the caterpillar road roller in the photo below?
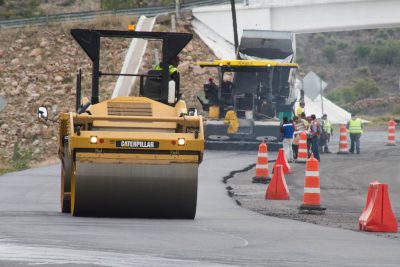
point(135, 156)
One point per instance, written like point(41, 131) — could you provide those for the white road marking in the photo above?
point(36, 255)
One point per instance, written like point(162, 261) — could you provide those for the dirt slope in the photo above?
point(38, 67)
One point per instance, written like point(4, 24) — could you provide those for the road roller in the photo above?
point(134, 156)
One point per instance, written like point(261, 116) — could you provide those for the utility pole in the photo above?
point(235, 34)
point(173, 23)
point(178, 9)
point(322, 99)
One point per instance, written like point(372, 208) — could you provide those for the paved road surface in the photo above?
point(344, 185)
point(33, 231)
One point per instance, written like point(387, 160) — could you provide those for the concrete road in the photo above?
point(33, 231)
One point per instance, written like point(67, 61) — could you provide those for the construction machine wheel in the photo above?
point(66, 169)
point(134, 190)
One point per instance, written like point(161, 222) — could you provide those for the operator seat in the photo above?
point(153, 85)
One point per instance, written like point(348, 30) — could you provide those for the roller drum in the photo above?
point(135, 190)
point(66, 171)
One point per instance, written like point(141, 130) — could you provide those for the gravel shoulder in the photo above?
point(344, 184)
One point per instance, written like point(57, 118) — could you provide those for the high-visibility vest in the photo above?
point(232, 121)
point(299, 110)
point(355, 126)
point(172, 69)
point(327, 126)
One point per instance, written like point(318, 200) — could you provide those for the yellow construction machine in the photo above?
point(130, 156)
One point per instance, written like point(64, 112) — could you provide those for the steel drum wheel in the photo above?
point(129, 190)
point(66, 182)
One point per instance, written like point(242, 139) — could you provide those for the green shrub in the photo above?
point(396, 109)
point(322, 74)
point(342, 46)
point(318, 39)
point(365, 88)
point(362, 51)
point(334, 96)
point(364, 70)
point(358, 89)
point(379, 41)
point(329, 51)
point(382, 33)
point(20, 159)
point(386, 54)
point(348, 94)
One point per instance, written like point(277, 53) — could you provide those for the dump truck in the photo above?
point(258, 86)
point(135, 156)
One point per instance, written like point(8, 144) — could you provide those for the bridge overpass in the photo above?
point(214, 24)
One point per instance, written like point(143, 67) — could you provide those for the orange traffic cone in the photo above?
point(377, 215)
point(343, 148)
point(281, 160)
point(391, 133)
point(302, 154)
point(277, 188)
point(312, 192)
point(262, 165)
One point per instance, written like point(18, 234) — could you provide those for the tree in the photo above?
point(329, 51)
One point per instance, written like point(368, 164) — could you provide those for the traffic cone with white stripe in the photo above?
point(281, 160)
point(312, 192)
point(262, 175)
point(343, 148)
point(277, 188)
point(391, 133)
point(302, 154)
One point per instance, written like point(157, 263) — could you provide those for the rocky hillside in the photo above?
point(360, 67)
point(38, 67)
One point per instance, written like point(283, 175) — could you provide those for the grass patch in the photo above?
point(20, 159)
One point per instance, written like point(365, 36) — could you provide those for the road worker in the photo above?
point(355, 128)
point(287, 130)
point(314, 132)
point(326, 133)
point(231, 120)
point(172, 66)
point(300, 109)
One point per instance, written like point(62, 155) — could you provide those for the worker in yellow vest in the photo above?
point(172, 66)
point(355, 129)
point(300, 109)
point(326, 133)
point(231, 120)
